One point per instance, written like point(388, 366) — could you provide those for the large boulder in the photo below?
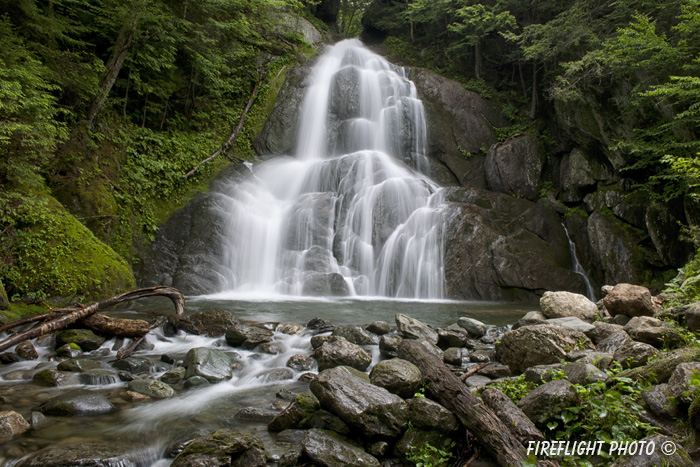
point(661, 369)
point(355, 334)
point(579, 172)
point(212, 323)
point(680, 384)
point(86, 339)
point(498, 247)
point(629, 300)
point(371, 410)
point(544, 343)
point(414, 329)
point(212, 364)
point(634, 354)
point(564, 304)
point(548, 400)
point(11, 424)
point(398, 376)
point(77, 402)
point(652, 331)
point(330, 450)
point(515, 165)
point(337, 351)
point(151, 388)
point(223, 448)
point(84, 454)
point(427, 414)
point(246, 336)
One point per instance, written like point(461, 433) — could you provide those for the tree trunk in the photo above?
point(471, 411)
point(478, 60)
point(533, 104)
point(114, 65)
point(116, 327)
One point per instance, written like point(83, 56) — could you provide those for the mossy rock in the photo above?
point(4, 302)
point(660, 370)
point(57, 256)
point(84, 338)
point(223, 447)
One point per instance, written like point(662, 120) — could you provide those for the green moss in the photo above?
point(54, 255)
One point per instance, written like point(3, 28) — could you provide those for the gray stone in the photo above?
point(453, 355)
point(300, 362)
point(614, 250)
point(317, 341)
point(633, 354)
point(256, 414)
point(212, 364)
point(246, 336)
point(601, 330)
point(223, 448)
point(389, 345)
point(679, 458)
point(613, 341)
point(54, 378)
point(630, 300)
point(151, 388)
point(495, 370)
point(86, 339)
point(600, 360)
point(692, 317)
point(212, 323)
point(11, 424)
point(621, 319)
point(67, 351)
point(679, 384)
point(541, 373)
point(573, 323)
point(80, 364)
point(134, 365)
point(302, 407)
point(514, 166)
point(276, 374)
point(414, 329)
point(372, 410)
point(476, 381)
point(77, 402)
point(338, 351)
point(652, 331)
point(379, 327)
point(330, 450)
point(657, 399)
point(663, 367)
point(355, 334)
point(27, 351)
point(548, 400)
point(398, 376)
point(583, 373)
point(196, 381)
point(429, 415)
point(174, 375)
point(452, 336)
point(325, 420)
point(510, 414)
point(84, 454)
point(473, 327)
point(534, 315)
point(565, 304)
point(580, 172)
point(545, 344)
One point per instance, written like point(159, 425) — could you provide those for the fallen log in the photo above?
point(70, 315)
point(471, 411)
point(117, 327)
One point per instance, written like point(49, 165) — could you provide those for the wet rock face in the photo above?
point(78, 402)
point(372, 410)
point(211, 364)
point(514, 166)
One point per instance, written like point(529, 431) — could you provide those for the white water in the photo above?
point(351, 214)
point(578, 269)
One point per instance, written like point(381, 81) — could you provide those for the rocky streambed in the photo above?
point(213, 390)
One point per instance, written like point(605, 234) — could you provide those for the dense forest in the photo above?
point(105, 107)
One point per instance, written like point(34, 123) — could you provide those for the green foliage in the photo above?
point(514, 388)
point(427, 455)
point(684, 289)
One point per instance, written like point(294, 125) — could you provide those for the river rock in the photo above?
point(510, 414)
point(371, 410)
point(223, 448)
point(613, 341)
point(27, 351)
point(174, 375)
point(355, 334)
point(338, 351)
point(255, 414)
point(11, 424)
point(452, 336)
point(414, 329)
point(246, 336)
point(327, 449)
point(80, 364)
point(652, 331)
point(379, 327)
point(514, 166)
point(212, 323)
point(69, 351)
point(54, 378)
point(662, 368)
point(152, 388)
point(453, 356)
point(86, 339)
point(398, 376)
point(212, 364)
point(196, 381)
point(601, 330)
point(495, 370)
point(276, 374)
point(302, 407)
point(657, 399)
point(389, 345)
point(583, 373)
point(541, 373)
point(427, 414)
point(134, 365)
point(564, 304)
point(300, 362)
point(84, 454)
point(548, 400)
point(634, 354)
point(545, 344)
point(630, 300)
point(679, 384)
point(317, 341)
point(77, 402)
point(571, 322)
point(678, 458)
point(473, 326)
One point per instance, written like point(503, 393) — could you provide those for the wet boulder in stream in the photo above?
point(328, 449)
point(338, 351)
point(86, 454)
point(77, 402)
point(211, 364)
point(223, 448)
point(86, 339)
point(246, 336)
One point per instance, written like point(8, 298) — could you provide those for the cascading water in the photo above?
point(352, 214)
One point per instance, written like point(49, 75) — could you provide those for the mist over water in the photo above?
point(352, 214)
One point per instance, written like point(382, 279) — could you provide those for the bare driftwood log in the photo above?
point(77, 313)
point(472, 412)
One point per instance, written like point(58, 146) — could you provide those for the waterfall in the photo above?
point(578, 269)
point(352, 213)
